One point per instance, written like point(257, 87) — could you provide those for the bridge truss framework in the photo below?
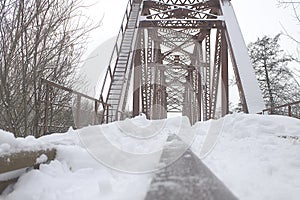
point(177, 61)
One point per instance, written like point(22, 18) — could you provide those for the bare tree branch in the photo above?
point(44, 38)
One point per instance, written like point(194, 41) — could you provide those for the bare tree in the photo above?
point(295, 6)
point(39, 38)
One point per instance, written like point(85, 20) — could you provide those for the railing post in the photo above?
point(78, 108)
point(107, 113)
point(127, 14)
point(47, 103)
point(110, 73)
point(289, 110)
point(96, 113)
point(117, 50)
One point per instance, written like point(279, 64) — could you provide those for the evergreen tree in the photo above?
point(275, 79)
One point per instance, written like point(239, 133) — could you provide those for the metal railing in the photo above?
point(77, 108)
point(286, 109)
point(108, 78)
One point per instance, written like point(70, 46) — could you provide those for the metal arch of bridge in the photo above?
point(178, 57)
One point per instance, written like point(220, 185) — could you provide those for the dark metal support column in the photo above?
point(155, 100)
point(137, 83)
point(199, 95)
point(163, 94)
point(78, 111)
point(47, 104)
point(96, 121)
point(225, 85)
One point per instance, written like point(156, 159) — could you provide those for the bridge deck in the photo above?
point(187, 178)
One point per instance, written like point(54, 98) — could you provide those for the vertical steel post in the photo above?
point(199, 95)
point(137, 83)
point(225, 85)
point(163, 102)
point(78, 108)
point(289, 110)
point(107, 113)
point(96, 113)
point(155, 100)
point(47, 103)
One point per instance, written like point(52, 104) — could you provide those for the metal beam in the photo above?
point(187, 178)
point(248, 86)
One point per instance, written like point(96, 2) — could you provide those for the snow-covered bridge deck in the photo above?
point(248, 158)
point(187, 178)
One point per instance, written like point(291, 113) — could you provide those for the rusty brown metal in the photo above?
point(225, 84)
point(216, 73)
point(136, 86)
point(174, 37)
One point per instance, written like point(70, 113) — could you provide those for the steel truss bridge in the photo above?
point(170, 56)
point(173, 56)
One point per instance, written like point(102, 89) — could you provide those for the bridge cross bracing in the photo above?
point(173, 56)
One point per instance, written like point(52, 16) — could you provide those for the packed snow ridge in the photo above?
point(247, 155)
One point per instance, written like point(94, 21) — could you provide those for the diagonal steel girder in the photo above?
point(192, 39)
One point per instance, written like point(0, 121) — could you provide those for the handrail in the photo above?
point(97, 103)
point(289, 105)
point(116, 50)
point(282, 106)
point(70, 90)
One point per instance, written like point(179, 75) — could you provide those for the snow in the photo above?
point(11, 175)
point(252, 161)
point(9, 143)
point(246, 72)
point(41, 159)
point(243, 150)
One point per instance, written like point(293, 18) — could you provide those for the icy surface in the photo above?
point(247, 156)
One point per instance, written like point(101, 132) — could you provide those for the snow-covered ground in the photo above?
point(247, 156)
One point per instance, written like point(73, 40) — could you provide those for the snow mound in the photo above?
point(247, 155)
point(10, 144)
point(251, 160)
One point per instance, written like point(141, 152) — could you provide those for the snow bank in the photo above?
point(247, 156)
point(251, 160)
point(76, 174)
point(10, 144)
